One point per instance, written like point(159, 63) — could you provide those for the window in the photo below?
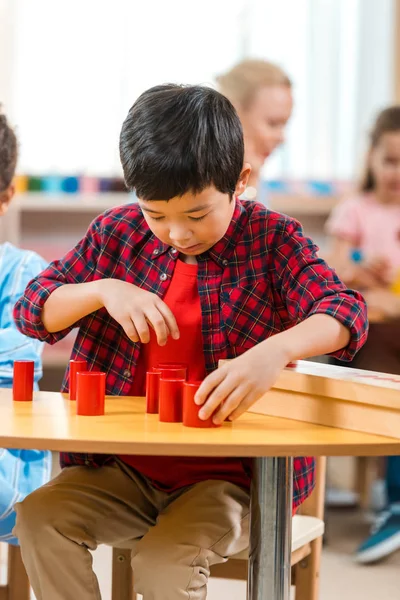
point(78, 65)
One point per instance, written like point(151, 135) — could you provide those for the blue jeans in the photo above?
point(393, 479)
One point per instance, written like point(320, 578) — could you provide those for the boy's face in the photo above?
point(193, 223)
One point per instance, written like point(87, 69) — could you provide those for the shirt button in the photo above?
point(127, 373)
point(174, 250)
point(156, 251)
point(225, 262)
point(163, 277)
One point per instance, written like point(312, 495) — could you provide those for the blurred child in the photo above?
point(21, 471)
point(365, 233)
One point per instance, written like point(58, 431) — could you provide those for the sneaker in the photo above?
point(384, 538)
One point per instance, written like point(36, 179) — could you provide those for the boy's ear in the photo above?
point(5, 199)
point(243, 180)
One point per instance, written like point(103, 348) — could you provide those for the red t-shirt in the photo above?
point(172, 472)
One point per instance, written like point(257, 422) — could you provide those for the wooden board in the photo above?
point(336, 397)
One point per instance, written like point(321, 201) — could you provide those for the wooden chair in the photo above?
point(308, 529)
point(17, 586)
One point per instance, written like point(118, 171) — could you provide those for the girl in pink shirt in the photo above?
point(365, 233)
point(367, 226)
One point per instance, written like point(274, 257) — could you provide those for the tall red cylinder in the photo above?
point(152, 392)
point(170, 400)
point(75, 366)
point(191, 409)
point(23, 378)
point(90, 393)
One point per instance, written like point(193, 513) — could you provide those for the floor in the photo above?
point(340, 577)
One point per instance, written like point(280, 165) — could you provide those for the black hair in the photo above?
point(8, 153)
point(179, 138)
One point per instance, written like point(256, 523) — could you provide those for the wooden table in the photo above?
point(50, 422)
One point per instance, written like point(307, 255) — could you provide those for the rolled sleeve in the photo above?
point(309, 286)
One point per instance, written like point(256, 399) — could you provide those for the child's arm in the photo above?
point(13, 344)
point(133, 308)
point(360, 275)
point(345, 229)
point(327, 318)
point(71, 288)
point(242, 381)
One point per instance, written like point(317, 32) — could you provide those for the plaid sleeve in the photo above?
point(309, 286)
point(78, 266)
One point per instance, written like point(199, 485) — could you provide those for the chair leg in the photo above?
point(122, 575)
point(18, 582)
point(366, 474)
point(307, 573)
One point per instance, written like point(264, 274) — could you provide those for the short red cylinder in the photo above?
point(90, 393)
point(152, 392)
point(191, 409)
point(23, 377)
point(170, 400)
point(171, 365)
point(171, 372)
point(75, 366)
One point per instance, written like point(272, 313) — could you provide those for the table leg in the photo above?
point(270, 529)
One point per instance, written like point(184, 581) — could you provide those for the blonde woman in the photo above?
point(261, 92)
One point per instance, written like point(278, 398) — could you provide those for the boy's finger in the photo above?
point(244, 405)
point(157, 322)
point(129, 329)
point(142, 327)
point(169, 319)
point(208, 385)
point(231, 404)
point(216, 398)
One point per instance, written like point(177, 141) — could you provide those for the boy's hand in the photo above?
point(135, 309)
point(233, 388)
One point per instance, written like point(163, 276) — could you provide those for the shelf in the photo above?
point(38, 202)
point(292, 204)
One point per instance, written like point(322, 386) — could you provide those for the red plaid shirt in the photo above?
point(261, 278)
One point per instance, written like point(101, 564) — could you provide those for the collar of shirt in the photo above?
point(222, 251)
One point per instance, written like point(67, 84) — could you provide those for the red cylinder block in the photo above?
point(171, 365)
point(191, 409)
point(152, 391)
point(170, 400)
point(23, 378)
point(171, 372)
point(75, 366)
point(90, 393)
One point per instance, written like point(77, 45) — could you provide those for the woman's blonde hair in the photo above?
point(241, 83)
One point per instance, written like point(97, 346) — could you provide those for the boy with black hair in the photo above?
point(189, 272)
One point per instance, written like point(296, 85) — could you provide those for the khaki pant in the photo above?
point(175, 538)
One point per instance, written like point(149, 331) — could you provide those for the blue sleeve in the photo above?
point(13, 344)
